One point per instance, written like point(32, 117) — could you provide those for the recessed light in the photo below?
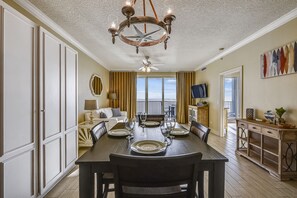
point(221, 49)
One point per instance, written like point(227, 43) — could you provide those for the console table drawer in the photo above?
point(270, 132)
point(254, 128)
point(242, 125)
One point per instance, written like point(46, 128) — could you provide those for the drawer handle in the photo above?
point(269, 132)
point(241, 124)
point(254, 127)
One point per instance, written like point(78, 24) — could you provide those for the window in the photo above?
point(156, 95)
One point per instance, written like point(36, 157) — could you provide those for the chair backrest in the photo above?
point(153, 117)
point(200, 130)
point(97, 131)
point(153, 173)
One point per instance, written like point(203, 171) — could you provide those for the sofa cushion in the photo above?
point(107, 111)
point(116, 112)
point(103, 115)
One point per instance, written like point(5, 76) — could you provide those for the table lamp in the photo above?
point(112, 96)
point(91, 105)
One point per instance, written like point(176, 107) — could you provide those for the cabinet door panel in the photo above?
point(70, 147)
point(18, 88)
point(71, 96)
point(19, 176)
point(52, 160)
point(51, 85)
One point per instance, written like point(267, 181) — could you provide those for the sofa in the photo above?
point(107, 115)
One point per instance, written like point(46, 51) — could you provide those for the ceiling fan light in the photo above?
point(143, 69)
point(148, 69)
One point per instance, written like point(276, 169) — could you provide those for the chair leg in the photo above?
point(99, 186)
point(106, 189)
point(201, 184)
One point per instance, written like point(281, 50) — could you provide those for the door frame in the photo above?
point(222, 95)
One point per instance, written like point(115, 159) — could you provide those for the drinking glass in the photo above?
point(143, 117)
point(130, 124)
point(170, 123)
point(166, 133)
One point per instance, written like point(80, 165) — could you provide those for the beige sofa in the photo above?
point(110, 119)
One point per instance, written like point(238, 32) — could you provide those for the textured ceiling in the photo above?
point(201, 28)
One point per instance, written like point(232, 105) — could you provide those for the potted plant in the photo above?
point(280, 112)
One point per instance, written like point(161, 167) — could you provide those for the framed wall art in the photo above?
point(280, 61)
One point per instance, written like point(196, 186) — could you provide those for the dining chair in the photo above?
point(102, 178)
point(158, 176)
point(202, 132)
point(153, 117)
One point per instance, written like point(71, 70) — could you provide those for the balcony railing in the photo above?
point(155, 107)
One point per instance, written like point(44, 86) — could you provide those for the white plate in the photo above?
point(148, 146)
point(151, 123)
point(179, 131)
point(118, 132)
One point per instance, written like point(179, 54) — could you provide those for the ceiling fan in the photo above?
point(147, 65)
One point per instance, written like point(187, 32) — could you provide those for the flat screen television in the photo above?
point(199, 91)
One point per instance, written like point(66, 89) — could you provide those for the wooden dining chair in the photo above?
point(138, 176)
point(202, 132)
point(153, 117)
point(102, 178)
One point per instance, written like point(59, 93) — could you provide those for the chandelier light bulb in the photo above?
point(128, 3)
point(113, 25)
point(169, 11)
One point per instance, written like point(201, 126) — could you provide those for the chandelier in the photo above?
point(146, 30)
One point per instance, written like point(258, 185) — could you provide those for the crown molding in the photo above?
point(58, 29)
point(270, 27)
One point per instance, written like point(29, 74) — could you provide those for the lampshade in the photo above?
point(112, 96)
point(91, 105)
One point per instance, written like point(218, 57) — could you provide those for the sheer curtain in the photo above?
point(184, 81)
point(124, 85)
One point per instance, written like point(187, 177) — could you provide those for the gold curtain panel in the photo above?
point(124, 85)
point(183, 95)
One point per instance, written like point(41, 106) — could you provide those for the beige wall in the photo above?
point(86, 67)
point(261, 94)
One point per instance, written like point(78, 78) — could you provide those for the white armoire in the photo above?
point(38, 102)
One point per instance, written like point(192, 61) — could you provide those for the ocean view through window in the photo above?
point(156, 95)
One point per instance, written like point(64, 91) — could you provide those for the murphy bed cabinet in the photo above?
point(272, 147)
point(199, 114)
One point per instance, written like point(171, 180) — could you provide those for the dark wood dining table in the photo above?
point(96, 159)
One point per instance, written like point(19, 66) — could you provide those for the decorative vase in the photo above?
point(269, 116)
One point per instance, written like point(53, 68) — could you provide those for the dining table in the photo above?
point(96, 159)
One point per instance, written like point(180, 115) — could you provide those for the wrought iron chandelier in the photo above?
point(152, 33)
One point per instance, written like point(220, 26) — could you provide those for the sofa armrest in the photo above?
point(124, 113)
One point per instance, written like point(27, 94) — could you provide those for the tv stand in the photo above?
point(198, 114)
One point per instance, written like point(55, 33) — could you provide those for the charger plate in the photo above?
point(179, 131)
point(148, 146)
point(151, 123)
point(118, 132)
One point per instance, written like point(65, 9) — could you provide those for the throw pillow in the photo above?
point(116, 112)
point(102, 115)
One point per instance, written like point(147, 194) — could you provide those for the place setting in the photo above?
point(124, 129)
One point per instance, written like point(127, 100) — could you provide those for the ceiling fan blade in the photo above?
point(140, 68)
point(155, 68)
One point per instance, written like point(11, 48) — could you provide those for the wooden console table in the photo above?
point(268, 145)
